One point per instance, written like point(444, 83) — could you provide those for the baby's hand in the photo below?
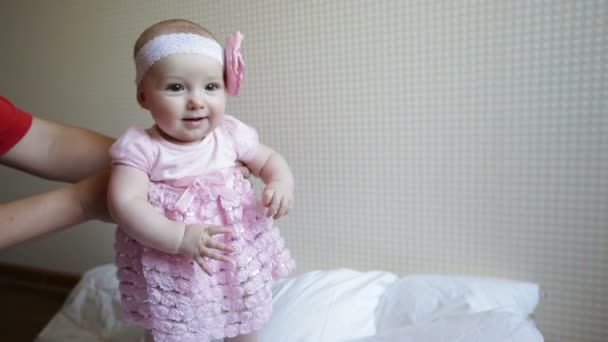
point(199, 244)
point(277, 197)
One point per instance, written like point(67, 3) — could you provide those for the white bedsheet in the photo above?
point(338, 305)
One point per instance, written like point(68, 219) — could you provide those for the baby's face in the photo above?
point(186, 96)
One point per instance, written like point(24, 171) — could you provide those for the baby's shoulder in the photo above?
point(139, 136)
point(232, 125)
point(135, 140)
point(136, 133)
point(243, 137)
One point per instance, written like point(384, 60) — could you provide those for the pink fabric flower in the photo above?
point(235, 67)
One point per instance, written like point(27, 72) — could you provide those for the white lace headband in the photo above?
point(174, 43)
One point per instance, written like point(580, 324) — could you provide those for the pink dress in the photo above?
point(170, 295)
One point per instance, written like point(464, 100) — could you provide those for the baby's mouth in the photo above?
point(193, 119)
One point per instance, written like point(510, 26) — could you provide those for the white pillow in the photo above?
point(321, 306)
point(487, 326)
point(332, 306)
point(326, 306)
point(421, 298)
point(93, 310)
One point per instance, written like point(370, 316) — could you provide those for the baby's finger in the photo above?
point(288, 206)
point(211, 243)
point(217, 256)
point(200, 260)
point(214, 230)
point(267, 197)
point(283, 209)
point(274, 206)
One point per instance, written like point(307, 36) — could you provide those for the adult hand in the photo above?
point(92, 195)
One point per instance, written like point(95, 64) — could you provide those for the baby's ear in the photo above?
point(141, 98)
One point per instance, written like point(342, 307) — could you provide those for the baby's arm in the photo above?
point(129, 206)
point(272, 168)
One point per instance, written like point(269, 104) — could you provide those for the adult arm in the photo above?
point(52, 211)
point(59, 152)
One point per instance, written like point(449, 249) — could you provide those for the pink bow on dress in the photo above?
point(213, 182)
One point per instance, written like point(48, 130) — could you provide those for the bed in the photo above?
point(338, 305)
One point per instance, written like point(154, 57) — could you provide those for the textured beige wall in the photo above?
point(425, 136)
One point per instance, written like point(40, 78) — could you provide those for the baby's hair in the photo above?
point(170, 26)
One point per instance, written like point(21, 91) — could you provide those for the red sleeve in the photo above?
point(14, 123)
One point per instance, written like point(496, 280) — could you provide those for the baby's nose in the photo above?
point(195, 102)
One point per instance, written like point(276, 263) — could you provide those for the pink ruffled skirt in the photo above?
point(172, 297)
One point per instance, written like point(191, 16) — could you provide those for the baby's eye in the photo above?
point(212, 86)
point(175, 87)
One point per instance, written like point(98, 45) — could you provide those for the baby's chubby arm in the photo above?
point(272, 168)
point(129, 206)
